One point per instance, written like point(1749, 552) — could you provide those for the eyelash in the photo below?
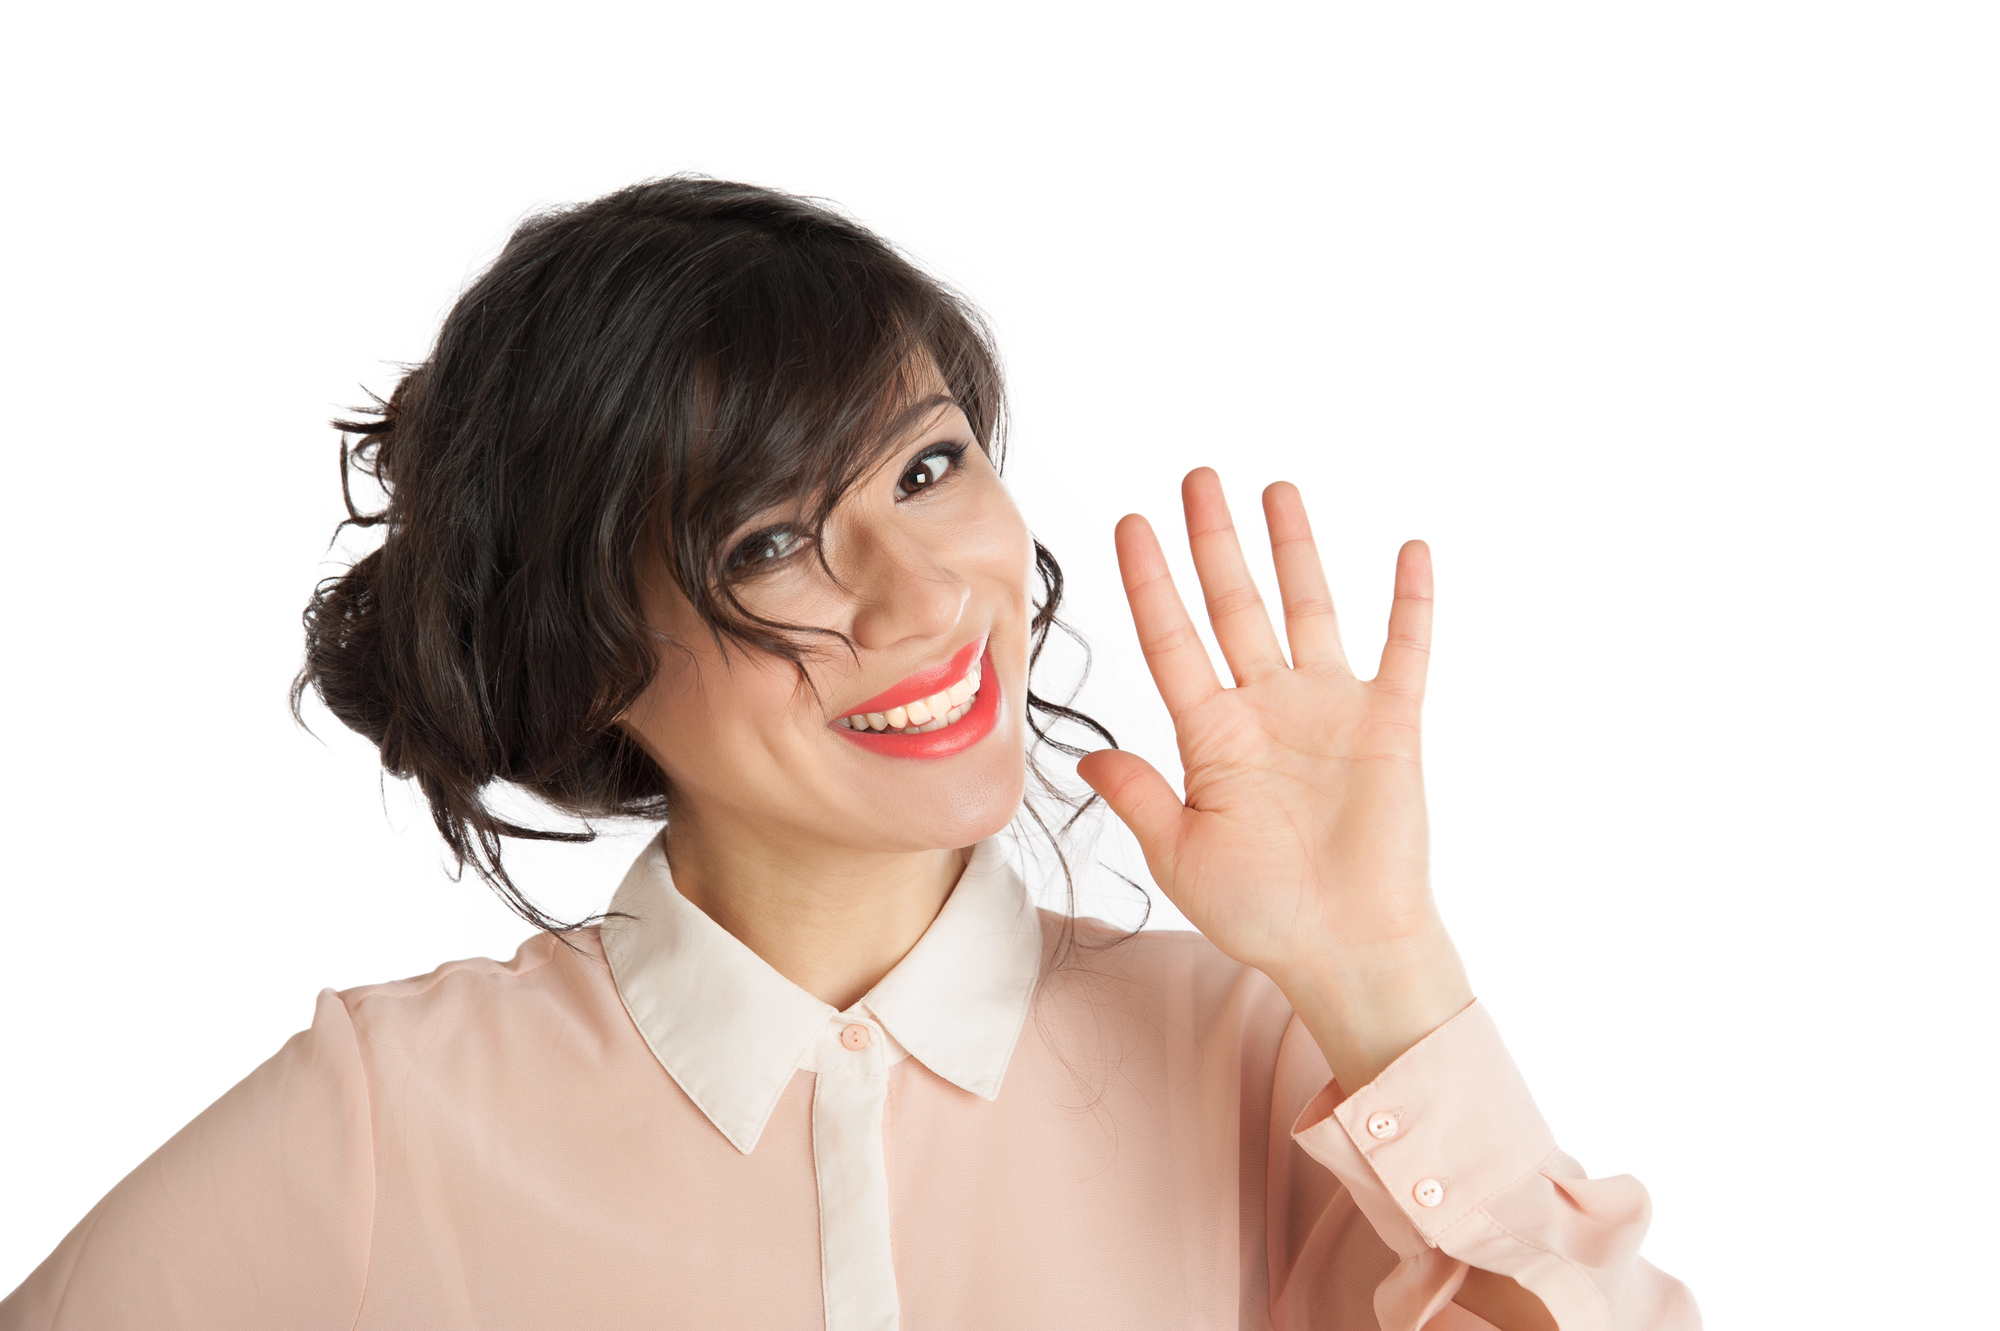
point(747, 556)
point(952, 453)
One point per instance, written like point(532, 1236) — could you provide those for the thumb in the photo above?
point(1142, 799)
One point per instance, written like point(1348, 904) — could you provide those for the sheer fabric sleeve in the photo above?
point(1450, 1164)
point(257, 1214)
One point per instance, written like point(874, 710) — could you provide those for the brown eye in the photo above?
point(926, 471)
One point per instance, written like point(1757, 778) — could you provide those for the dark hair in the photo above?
point(650, 368)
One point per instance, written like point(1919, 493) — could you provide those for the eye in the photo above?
point(762, 549)
point(929, 469)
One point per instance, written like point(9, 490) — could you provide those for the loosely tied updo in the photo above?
point(636, 375)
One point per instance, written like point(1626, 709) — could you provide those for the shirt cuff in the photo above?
point(1441, 1131)
point(1449, 1159)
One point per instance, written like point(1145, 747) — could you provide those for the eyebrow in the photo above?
point(919, 410)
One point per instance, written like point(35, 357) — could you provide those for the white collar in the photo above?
point(732, 1031)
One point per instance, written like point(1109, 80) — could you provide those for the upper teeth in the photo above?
point(914, 718)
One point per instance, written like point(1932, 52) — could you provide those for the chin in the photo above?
point(948, 815)
point(970, 812)
point(945, 803)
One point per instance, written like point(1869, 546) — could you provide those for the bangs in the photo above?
point(814, 357)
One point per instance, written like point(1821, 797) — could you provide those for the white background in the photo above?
point(1672, 328)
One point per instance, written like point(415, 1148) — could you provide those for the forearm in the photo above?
point(1364, 1015)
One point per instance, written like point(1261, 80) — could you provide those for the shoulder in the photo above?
point(1146, 953)
point(1163, 971)
point(550, 984)
point(482, 974)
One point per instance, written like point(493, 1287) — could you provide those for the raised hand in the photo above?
point(1301, 846)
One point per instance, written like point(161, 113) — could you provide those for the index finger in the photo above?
point(1173, 650)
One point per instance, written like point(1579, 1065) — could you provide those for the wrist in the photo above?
point(1366, 1010)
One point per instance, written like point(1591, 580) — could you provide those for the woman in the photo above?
point(694, 514)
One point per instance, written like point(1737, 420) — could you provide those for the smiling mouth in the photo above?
point(921, 716)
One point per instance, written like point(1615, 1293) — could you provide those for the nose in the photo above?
point(902, 591)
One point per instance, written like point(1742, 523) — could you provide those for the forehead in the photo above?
point(920, 402)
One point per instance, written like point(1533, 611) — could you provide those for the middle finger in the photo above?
point(1235, 608)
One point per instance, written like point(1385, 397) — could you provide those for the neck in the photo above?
point(832, 920)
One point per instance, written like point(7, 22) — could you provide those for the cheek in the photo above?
point(706, 721)
point(996, 544)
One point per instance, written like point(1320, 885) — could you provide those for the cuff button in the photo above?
point(1429, 1192)
point(1382, 1126)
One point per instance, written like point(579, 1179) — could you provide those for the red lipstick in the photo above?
point(926, 681)
point(962, 734)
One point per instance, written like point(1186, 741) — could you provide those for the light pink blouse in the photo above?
point(656, 1129)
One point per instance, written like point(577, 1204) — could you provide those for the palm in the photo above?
point(1303, 823)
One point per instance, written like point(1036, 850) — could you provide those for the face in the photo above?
point(915, 741)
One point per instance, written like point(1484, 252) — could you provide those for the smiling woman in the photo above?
point(694, 514)
point(917, 579)
point(695, 417)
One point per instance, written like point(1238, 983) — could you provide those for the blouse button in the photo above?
point(1381, 1126)
point(1429, 1192)
point(854, 1036)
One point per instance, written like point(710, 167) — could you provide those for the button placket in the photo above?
point(853, 1044)
point(850, 1061)
point(857, 1267)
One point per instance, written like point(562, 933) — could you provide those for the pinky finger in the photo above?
point(1406, 655)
